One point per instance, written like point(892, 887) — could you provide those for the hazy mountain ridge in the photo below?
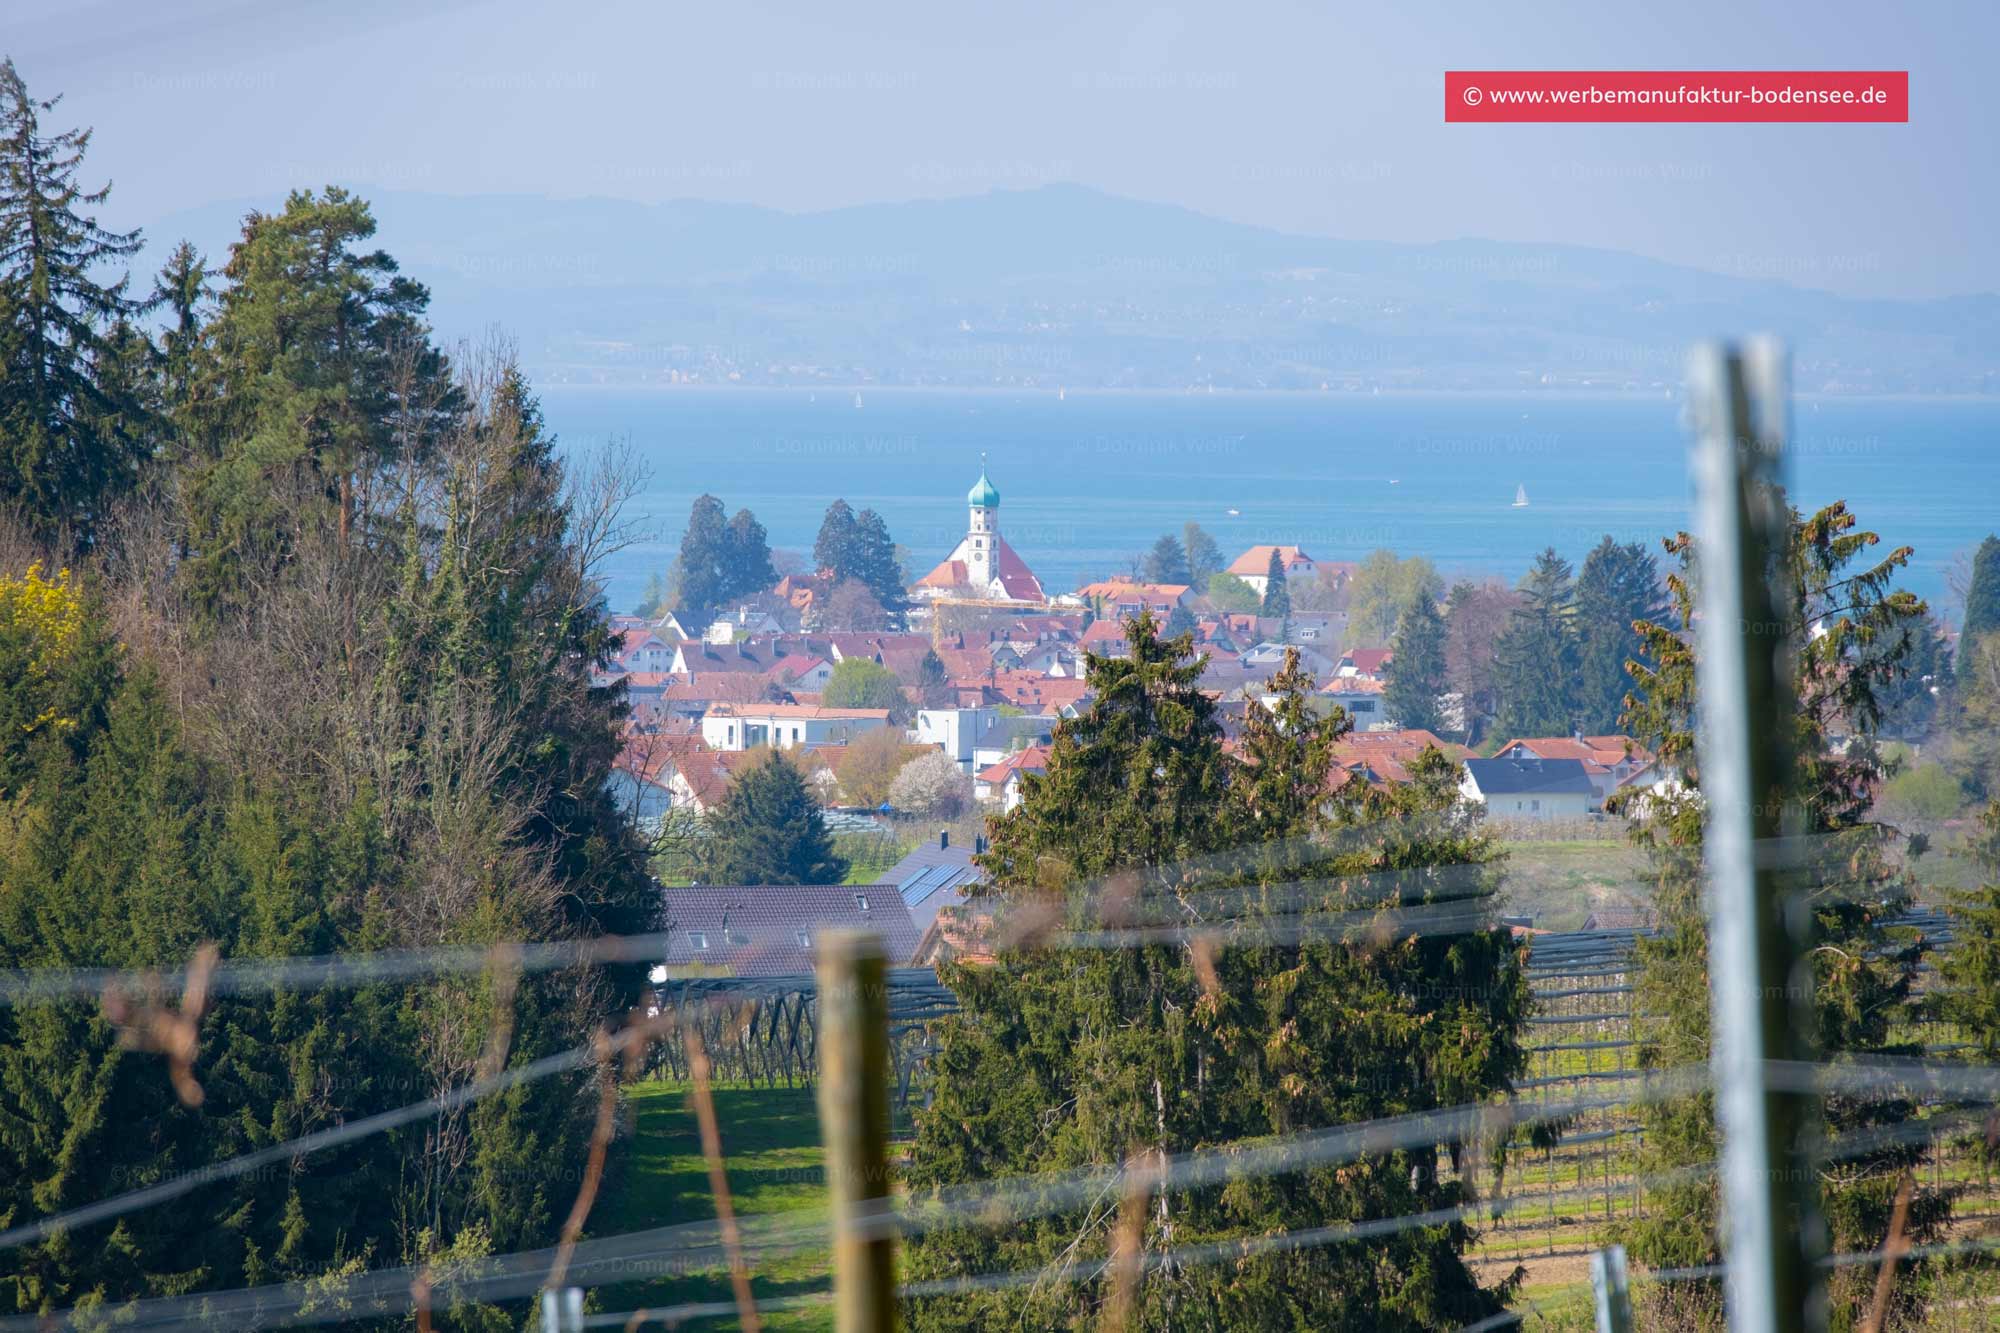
point(1068, 286)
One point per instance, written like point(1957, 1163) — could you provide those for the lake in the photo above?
point(1090, 479)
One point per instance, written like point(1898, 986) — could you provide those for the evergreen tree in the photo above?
point(319, 372)
point(704, 569)
point(1864, 967)
point(1536, 658)
point(1971, 967)
point(71, 438)
point(1416, 670)
point(1277, 596)
point(1202, 556)
point(875, 564)
point(746, 557)
point(1982, 596)
point(768, 829)
point(182, 289)
point(1064, 1057)
point(1617, 587)
point(1167, 562)
point(933, 682)
point(833, 549)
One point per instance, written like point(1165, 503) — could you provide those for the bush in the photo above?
point(1924, 792)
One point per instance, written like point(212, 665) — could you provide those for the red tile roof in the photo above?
point(1367, 661)
point(1034, 759)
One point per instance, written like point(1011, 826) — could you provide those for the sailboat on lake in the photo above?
point(1520, 497)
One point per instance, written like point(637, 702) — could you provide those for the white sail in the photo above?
point(1520, 497)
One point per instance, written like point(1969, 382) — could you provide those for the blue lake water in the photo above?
point(1088, 481)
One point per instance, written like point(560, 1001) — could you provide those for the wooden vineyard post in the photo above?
point(854, 1125)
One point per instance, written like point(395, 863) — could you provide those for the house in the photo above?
point(771, 930)
point(1362, 697)
point(642, 650)
point(1529, 787)
point(982, 566)
point(742, 623)
point(1269, 657)
point(1030, 692)
point(955, 731)
point(958, 934)
point(937, 875)
point(728, 726)
point(1363, 663)
point(1001, 782)
point(1611, 761)
point(1254, 565)
point(801, 673)
point(1384, 756)
point(1124, 599)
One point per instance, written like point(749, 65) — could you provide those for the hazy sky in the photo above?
point(1322, 118)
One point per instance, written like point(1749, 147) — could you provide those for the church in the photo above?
point(983, 567)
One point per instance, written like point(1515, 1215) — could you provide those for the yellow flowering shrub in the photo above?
point(48, 612)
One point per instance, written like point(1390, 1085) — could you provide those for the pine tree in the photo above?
point(182, 290)
point(319, 371)
point(1277, 596)
point(768, 829)
point(1618, 587)
point(1982, 596)
point(1167, 562)
point(71, 439)
point(1202, 556)
point(1864, 966)
point(1416, 670)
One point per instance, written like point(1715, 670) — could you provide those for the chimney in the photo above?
point(944, 839)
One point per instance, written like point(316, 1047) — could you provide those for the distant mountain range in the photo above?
point(1067, 286)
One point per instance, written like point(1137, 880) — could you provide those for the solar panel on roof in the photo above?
point(930, 880)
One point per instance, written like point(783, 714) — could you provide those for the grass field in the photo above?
point(770, 1139)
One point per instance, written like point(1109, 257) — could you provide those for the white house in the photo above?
point(728, 726)
point(1254, 565)
point(956, 731)
point(1529, 787)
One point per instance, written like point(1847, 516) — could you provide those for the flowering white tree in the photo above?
point(932, 786)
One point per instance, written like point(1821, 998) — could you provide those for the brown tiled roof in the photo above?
point(753, 930)
point(1257, 560)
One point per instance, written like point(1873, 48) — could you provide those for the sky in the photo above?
point(1318, 118)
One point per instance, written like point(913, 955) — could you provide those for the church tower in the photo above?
point(982, 537)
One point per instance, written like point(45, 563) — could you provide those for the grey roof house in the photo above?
point(769, 930)
point(937, 875)
point(1526, 786)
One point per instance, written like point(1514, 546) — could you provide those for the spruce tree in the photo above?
point(1617, 587)
point(933, 683)
point(1064, 1057)
point(1277, 596)
point(1864, 966)
point(71, 438)
point(1167, 562)
point(1416, 670)
point(768, 829)
point(1535, 670)
point(1982, 595)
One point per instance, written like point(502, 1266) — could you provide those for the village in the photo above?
point(973, 691)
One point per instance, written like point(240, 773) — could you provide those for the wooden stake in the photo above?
point(854, 1124)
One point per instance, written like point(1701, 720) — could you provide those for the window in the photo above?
point(804, 940)
point(698, 939)
point(861, 901)
point(735, 936)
